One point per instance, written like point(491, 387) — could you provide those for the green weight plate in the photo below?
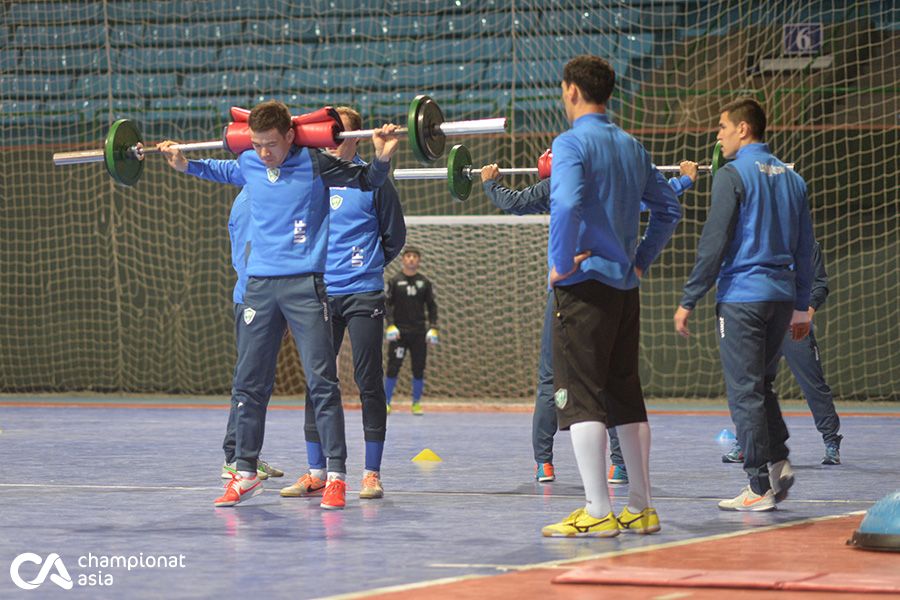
point(718, 159)
point(124, 169)
point(459, 161)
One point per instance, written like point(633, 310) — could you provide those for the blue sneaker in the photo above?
point(833, 452)
point(735, 455)
point(617, 475)
point(543, 472)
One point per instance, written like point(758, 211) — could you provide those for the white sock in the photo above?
point(247, 474)
point(332, 475)
point(634, 439)
point(317, 473)
point(589, 443)
point(368, 472)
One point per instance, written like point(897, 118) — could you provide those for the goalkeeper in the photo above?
point(535, 199)
point(409, 294)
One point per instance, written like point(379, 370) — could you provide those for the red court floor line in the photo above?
point(810, 546)
point(399, 407)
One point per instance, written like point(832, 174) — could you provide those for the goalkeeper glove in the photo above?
point(392, 334)
point(432, 337)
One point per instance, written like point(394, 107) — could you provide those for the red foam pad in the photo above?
point(848, 582)
point(237, 137)
point(242, 115)
point(545, 163)
point(738, 579)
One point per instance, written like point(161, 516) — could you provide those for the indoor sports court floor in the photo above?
point(95, 477)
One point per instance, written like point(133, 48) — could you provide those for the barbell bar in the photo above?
point(426, 130)
point(460, 173)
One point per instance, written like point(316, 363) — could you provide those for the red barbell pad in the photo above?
point(317, 135)
point(237, 137)
point(242, 115)
point(317, 129)
point(544, 164)
point(323, 114)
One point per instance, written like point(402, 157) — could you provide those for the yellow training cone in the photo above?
point(427, 455)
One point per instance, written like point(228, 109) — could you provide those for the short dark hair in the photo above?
point(271, 114)
point(750, 112)
point(411, 250)
point(594, 77)
point(352, 116)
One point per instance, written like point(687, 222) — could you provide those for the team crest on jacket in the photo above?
point(336, 201)
point(273, 174)
point(249, 313)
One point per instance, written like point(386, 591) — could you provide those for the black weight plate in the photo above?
point(429, 137)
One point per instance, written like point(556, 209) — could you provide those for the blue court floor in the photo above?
point(90, 483)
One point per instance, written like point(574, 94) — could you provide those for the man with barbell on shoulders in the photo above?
point(288, 188)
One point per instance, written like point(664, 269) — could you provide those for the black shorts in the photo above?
point(411, 342)
point(596, 343)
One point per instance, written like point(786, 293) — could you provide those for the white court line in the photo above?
point(559, 563)
point(167, 488)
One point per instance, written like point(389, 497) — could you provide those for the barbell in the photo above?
point(460, 173)
point(426, 130)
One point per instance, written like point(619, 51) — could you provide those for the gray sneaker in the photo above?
point(265, 470)
point(781, 478)
point(833, 452)
point(228, 470)
point(748, 501)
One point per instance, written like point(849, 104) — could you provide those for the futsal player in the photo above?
point(535, 199)
point(239, 235)
point(288, 188)
point(601, 175)
point(756, 246)
point(409, 295)
point(366, 231)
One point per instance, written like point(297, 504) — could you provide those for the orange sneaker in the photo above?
point(239, 489)
point(371, 486)
point(335, 495)
point(307, 485)
point(543, 472)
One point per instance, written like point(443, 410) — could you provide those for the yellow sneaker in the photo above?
point(388, 409)
point(417, 409)
point(581, 524)
point(646, 521)
point(371, 486)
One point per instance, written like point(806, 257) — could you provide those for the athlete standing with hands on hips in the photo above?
point(601, 177)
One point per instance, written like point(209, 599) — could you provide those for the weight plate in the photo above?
point(718, 159)
point(125, 170)
point(412, 128)
point(423, 129)
point(459, 162)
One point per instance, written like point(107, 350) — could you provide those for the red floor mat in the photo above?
point(765, 580)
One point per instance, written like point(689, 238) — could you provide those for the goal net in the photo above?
point(128, 289)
